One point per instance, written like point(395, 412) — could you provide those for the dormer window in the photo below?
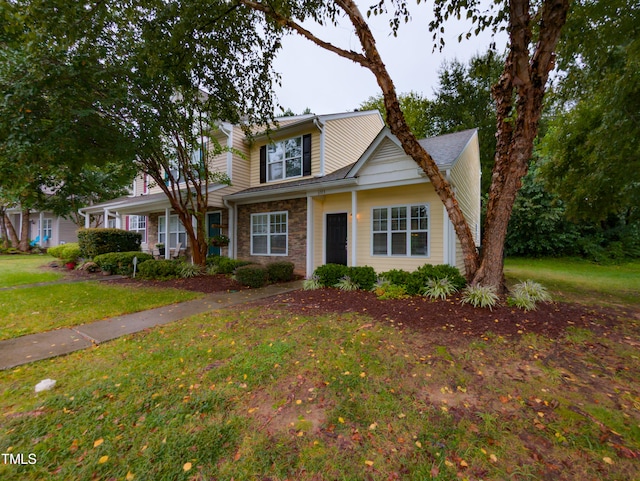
point(286, 159)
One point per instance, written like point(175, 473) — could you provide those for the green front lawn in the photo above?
point(36, 309)
point(18, 270)
point(580, 280)
point(264, 394)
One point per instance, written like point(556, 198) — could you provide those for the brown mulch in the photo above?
point(450, 317)
point(206, 284)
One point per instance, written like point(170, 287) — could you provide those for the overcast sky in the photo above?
point(326, 83)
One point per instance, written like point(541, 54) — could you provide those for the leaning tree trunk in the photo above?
point(23, 245)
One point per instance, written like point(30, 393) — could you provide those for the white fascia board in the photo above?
point(288, 192)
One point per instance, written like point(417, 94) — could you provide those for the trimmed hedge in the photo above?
point(94, 242)
point(158, 269)
point(280, 271)
point(120, 263)
point(66, 252)
point(251, 275)
point(414, 282)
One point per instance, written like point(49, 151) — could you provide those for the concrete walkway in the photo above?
point(35, 347)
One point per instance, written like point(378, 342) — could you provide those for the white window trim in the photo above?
point(269, 233)
point(45, 222)
point(284, 160)
point(137, 227)
point(408, 231)
point(177, 232)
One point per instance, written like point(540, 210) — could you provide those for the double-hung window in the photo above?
point(400, 230)
point(269, 233)
point(284, 159)
point(47, 229)
point(177, 232)
point(138, 223)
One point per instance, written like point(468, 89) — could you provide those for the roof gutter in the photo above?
point(303, 189)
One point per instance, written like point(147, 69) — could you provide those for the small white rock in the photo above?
point(45, 385)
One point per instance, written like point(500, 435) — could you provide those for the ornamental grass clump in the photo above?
point(346, 284)
point(439, 288)
point(480, 296)
point(312, 283)
point(187, 270)
point(525, 295)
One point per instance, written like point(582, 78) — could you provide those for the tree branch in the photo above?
point(291, 25)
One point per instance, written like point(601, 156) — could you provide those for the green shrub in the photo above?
point(56, 251)
point(158, 269)
point(390, 291)
point(330, 274)
point(228, 266)
point(439, 288)
point(251, 275)
point(397, 277)
point(94, 242)
point(480, 296)
point(364, 276)
point(120, 263)
point(187, 270)
point(66, 252)
point(213, 260)
point(521, 301)
point(280, 271)
point(426, 272)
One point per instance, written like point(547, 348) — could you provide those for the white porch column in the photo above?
point(354, 227)
point(105, 222)
point(87, 222)
point(310, 236)
point(167, 250)
point(41, 229)
point(118, 220)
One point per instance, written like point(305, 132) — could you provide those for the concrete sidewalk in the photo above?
point(35, 347)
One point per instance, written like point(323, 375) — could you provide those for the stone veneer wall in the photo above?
point(297, 235)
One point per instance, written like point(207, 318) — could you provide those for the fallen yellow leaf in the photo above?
point(368, 463)
point(98, 442)
point(341, 420)
point(607, 460)
point(419, 444)
point(186, 467)
point(130, 476)
point(493, 458)
point(103, 459)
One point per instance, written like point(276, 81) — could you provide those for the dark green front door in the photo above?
point(214, 221)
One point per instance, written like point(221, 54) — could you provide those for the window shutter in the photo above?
point(306, 154)
point(263, 164)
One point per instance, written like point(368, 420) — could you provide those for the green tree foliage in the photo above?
point(415, 107)
point(593, 143)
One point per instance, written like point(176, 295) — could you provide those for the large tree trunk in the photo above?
point(524, 77)
point(23, 245)
point(11, 231)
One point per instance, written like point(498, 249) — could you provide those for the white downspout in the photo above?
point(310, 230)
point(354, 227)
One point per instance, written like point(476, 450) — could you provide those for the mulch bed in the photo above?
point(206, 284)
point(450, 317)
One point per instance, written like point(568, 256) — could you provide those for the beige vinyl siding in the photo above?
point(241, 168)
point(346, 139)
point(67, 230)
point(465, 177)
point(422, 193)
point(315, 156)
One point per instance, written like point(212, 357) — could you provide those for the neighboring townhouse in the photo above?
point(377, 209)
point(322, 189)
point(317, 144)
point(45, 228)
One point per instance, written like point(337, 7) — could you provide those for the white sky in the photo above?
point(326, 83)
